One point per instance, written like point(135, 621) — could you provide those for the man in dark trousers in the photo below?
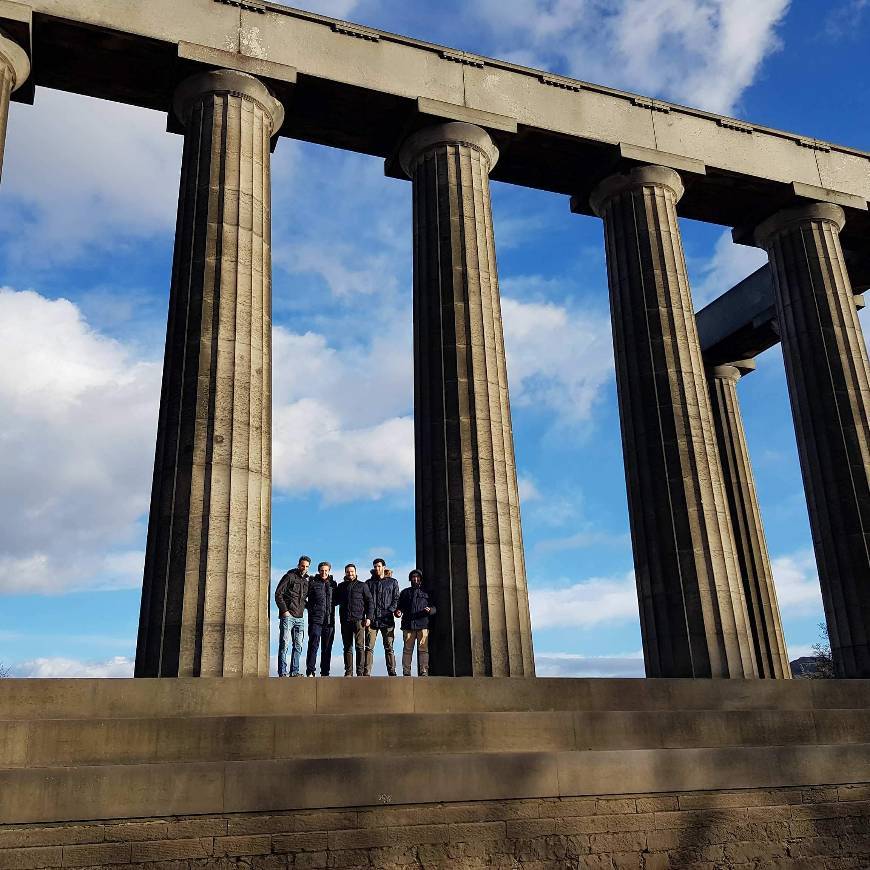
point(415, 611)
point(385, 600)
point(354, 615)
point(290, 595)
point(321, 620)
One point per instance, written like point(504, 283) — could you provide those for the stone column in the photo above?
point(692, 610)
point(205, 599)
point(765, 625)
point(469, 540)
point(829, 385)
point(14, 70)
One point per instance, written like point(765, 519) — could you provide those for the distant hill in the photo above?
point(805, 666)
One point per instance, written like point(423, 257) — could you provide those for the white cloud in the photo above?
point(700, 52)
point(574, 665)
point(79, 418)
point(528, 489)
point(797, 583)
point(597, 601)
point(799, 650)
point(728, 265)
point(341, 417)
point(118, 666)
point(86, 173)
point(558, 359)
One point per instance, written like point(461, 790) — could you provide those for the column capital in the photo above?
point(732, 371)
point(16, 59)
point(639, 176)
point(790, 217)
point(226, 81)
point(451, 133)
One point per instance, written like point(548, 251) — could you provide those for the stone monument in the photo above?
point(451, 772)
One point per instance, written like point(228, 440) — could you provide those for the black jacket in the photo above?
point(413, 602)
point(354, 601)
point(291, 592)
point(321, 601)
point(385, 600)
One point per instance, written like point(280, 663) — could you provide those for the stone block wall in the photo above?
point(818, 828)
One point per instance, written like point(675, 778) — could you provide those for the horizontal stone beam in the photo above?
point(359, 88)
point(741, 323)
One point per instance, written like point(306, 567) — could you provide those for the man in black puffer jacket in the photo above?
point(321, 620)
point(415, 611)
point(354, 615)
point(385, 599)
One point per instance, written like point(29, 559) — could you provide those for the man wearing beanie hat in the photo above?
point(415, 611)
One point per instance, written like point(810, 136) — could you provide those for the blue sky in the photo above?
point(87, 211)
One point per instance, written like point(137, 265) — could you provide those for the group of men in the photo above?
point(365, 609)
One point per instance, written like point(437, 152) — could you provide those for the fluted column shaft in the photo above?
point(765, 624)
point(469, 539)
point(14, 70)
point(205, 599)
point(692, 610)
point(829, 385)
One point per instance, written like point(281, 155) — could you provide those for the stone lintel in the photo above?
point(217, 58)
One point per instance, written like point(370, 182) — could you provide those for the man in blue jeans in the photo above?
point(290, 596)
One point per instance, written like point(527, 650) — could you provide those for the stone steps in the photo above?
point(68, 742)
point(122, 698)
point(112, 749)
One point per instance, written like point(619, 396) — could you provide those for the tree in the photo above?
point(824, 659)
point(4, 671)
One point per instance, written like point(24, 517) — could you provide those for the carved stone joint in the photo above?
point(356, 31)
point(654, 105)
point(247, 5)
point(463, 57)
point(739, 126)
point(556, 82)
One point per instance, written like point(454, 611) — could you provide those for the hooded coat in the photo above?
point(413, 601)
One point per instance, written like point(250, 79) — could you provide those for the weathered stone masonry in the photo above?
point(818, 828)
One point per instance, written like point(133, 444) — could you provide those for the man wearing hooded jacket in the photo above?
point(415, 610)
